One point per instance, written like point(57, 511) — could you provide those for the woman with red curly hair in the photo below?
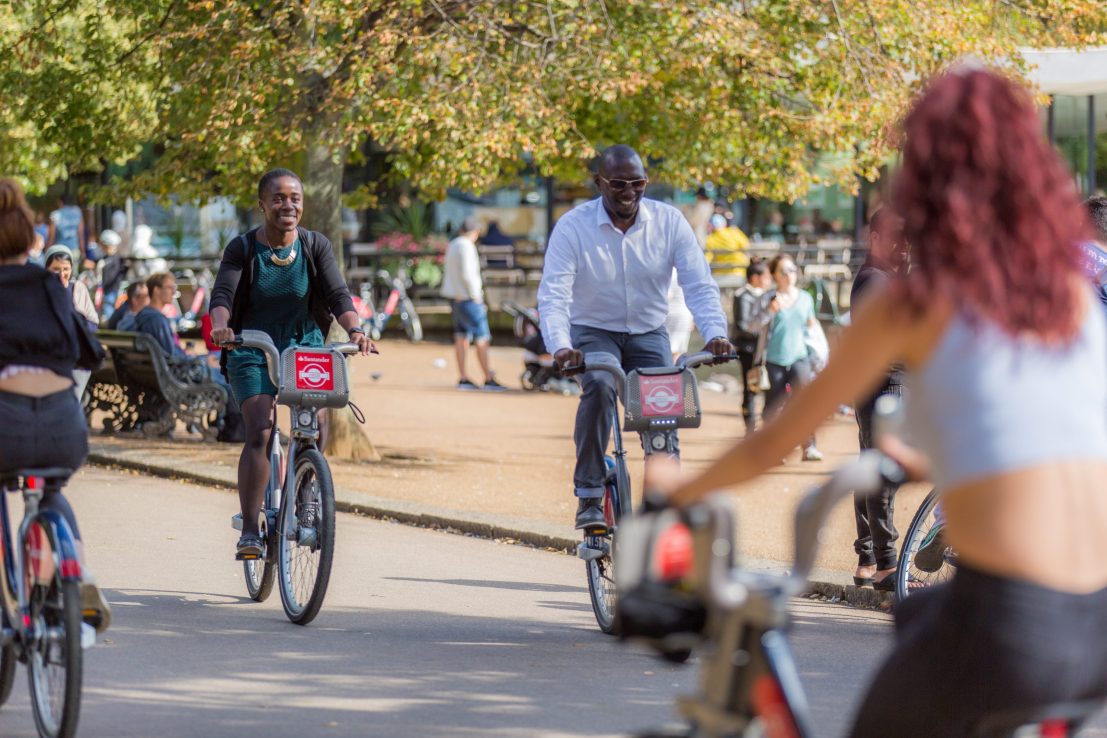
point(1006, 353)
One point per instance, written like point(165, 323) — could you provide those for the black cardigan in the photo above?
point(38, 325)
point(329, 294)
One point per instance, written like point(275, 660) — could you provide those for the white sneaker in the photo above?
point(810, 453)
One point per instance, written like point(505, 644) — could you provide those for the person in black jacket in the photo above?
point(44, 425)
point(747, 303)
point(876, 533)
point(283, 280)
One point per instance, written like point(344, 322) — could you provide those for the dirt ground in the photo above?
point(511, 453)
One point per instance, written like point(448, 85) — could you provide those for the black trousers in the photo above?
point(44, 432)
point(876, 533)
point(982, 645)
point(780, 379)
point(749, 399)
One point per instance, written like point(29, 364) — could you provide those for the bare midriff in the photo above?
point(35, 384)
point(1046, 524)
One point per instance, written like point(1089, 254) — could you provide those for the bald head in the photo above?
point(618, 158)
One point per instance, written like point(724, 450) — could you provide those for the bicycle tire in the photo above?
point(305, 570)
point(7, 672)
point(413, 327)
point(601, 572)
point(907, 573)
point(56, 718)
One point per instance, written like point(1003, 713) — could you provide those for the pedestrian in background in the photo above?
point(876, 532)
point(138, 297)
point(462, 286)
point(67, 227)
point(747, 333)
point(789, 312)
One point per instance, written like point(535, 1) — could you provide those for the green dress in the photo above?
point(278, 306)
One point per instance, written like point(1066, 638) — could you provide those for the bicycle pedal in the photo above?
point(248, 557)
point(597, 530)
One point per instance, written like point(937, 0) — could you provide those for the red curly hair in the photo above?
point(989, 208)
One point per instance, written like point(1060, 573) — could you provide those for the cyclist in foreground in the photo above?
point(604, 288)
point(1007, 367)
point(43, 424)
point(282, 280)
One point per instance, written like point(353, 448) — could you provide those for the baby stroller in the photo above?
point(540, 372)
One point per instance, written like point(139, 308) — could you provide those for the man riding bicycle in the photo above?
point(604, 284)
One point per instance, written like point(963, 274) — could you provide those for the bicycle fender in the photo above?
point(63, 544)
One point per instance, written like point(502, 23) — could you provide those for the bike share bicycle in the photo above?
point(40, 603)
point(298, 517)
point(392, 290)
point(657, 401)
point(683, 590)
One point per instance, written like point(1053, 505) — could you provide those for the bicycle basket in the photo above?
point(314, 377)
point(666, 397)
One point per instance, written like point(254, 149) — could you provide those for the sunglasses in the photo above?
point(789, 270)
point(618, 185)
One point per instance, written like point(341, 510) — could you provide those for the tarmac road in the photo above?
point(422, 634)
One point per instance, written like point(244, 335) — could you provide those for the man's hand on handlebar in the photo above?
point(720, 347)
point(568, 360)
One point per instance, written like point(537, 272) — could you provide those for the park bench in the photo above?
point(141, 388)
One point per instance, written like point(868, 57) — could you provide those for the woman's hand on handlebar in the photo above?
point(365, 345)
point(913, 461)
point(222, 336)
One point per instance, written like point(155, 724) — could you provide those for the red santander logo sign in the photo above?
point(662, 396)
point(314, 371)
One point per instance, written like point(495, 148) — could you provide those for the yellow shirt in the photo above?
point(725, 250)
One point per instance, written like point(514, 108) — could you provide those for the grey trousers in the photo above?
point(597, 402)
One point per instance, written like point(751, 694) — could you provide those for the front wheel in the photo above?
point(305, 539)
point(7, 672)
point(924, 559)
point(54, 659)
point(601, 571)
point(413, 327)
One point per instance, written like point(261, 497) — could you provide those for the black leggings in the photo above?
point(983, 645)
point(782, 377)
point(38, 432)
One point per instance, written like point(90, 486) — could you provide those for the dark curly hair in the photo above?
point(989, 208)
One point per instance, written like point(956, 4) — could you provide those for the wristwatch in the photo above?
point(352, 331)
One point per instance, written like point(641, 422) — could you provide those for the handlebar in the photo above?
point(261, 341)
point(691, 361)
point(601, 361)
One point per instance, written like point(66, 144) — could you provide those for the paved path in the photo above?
point(422, 634)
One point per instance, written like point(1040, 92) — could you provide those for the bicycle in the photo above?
point(298, 518)
point(393, 290)
point(657, 401)
point(683, 591)
point(937, 562)
point(40, 603)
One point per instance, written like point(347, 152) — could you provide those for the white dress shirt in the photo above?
point(597, 276)
point(461, 280)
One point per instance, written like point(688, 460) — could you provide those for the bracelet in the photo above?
point(352, 331)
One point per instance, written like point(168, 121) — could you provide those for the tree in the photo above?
point(461, 92)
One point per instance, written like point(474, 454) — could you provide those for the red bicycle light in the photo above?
point(673, 552)
point(1053, 729)
point(35, 482)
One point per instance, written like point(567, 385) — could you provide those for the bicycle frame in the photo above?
point(14, 589)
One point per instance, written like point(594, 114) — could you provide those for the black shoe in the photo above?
point(493, 386)
point(250, 546)
point(590, 512)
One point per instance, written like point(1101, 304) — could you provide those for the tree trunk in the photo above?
point(323, 167)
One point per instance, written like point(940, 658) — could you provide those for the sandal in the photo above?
point(887, 584)
point(863, 581)
point(250, 546)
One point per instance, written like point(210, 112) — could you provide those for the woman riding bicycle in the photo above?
point(40, 338)
point(282, 280)
point(1006, 358)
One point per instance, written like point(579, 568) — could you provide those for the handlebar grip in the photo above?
point(573, 369)
point(234, 343)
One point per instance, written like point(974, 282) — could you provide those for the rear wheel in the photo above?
point(601, 571)
point(54, 659)
point(924, 559)
point(259, 572)
point(306, 551)
point(413, 327)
